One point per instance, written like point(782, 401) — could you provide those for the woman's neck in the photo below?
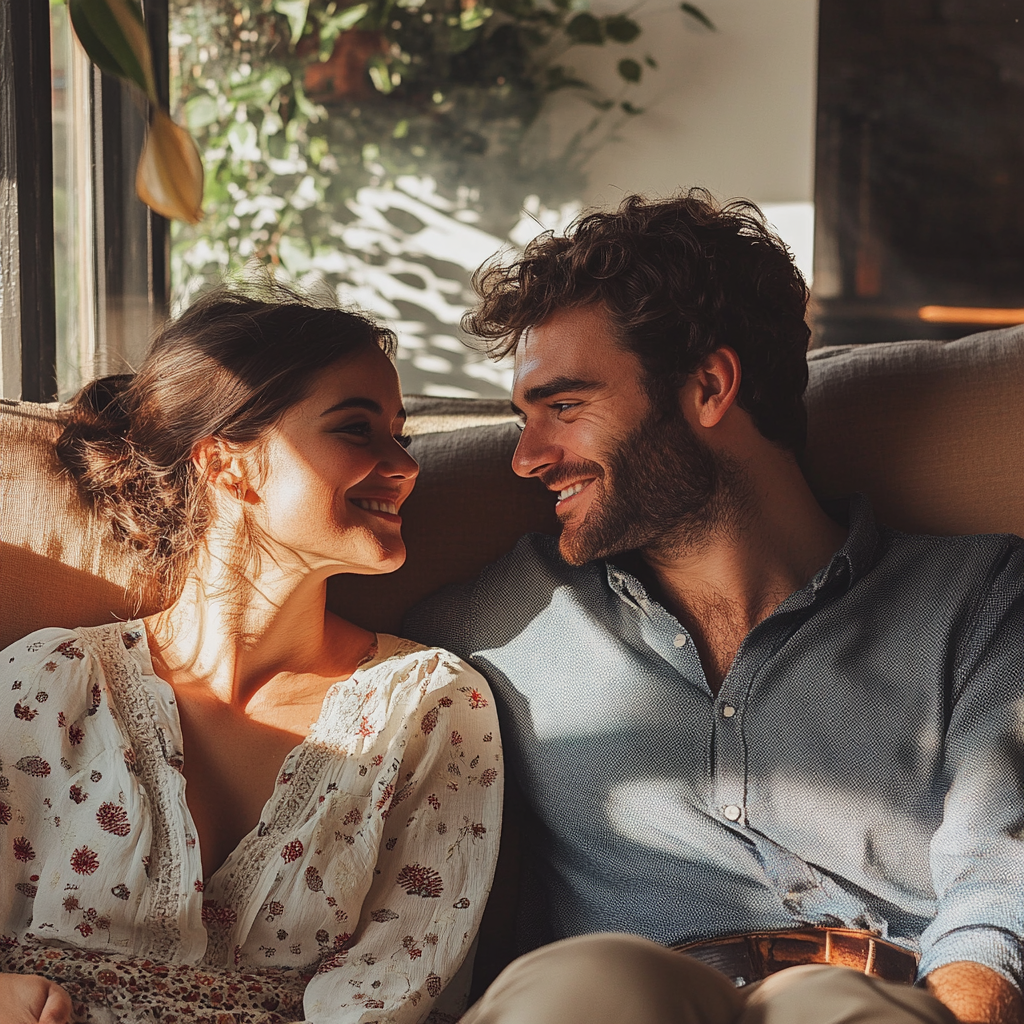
point(234, 631)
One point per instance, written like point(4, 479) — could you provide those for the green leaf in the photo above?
point(630, 109)
point(380, 74)
point(296, 11)
point(585, 28)
point(97, 23)
point(621, 29)
point(200, 112)
point(94, 48)
point(460, 41)
point(346, 19)
point(698, 15)
point(473, 17)
point(630, 70)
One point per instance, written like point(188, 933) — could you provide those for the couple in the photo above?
point(730, 713)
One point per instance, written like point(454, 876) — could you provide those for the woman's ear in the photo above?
point(223, 468)
point(712, 389)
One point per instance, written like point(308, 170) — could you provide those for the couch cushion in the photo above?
point(932, 431)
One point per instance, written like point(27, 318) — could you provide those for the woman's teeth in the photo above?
point(376, 506)
point(570, 491)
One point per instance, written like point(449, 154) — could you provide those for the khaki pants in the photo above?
point(622, 979)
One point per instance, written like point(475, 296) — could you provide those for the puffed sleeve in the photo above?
point(435, 863)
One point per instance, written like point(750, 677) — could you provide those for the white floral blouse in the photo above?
point(355, 899)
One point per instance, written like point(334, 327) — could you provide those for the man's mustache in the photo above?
point(564, 474)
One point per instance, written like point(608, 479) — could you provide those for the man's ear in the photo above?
point(712, 389)
point(223, 468)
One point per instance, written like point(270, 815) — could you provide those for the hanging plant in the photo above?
point(169, 177)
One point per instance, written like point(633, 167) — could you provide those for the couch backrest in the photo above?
point(932, 431)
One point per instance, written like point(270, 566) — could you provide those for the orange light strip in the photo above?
point(970, 315)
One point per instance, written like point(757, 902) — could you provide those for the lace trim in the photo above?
point(135, 707)
point(292, 802)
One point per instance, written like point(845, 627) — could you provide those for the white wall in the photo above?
point(732, 109)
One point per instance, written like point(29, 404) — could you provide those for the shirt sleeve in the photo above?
point(443, 620)
point(435, 865)
point(977, 853)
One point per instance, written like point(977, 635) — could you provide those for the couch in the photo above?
point(932, 431)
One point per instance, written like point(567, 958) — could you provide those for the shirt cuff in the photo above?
point(990, 947)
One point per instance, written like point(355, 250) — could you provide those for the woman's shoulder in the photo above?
point(48, 675)
point(397, 653)
point(429, 669)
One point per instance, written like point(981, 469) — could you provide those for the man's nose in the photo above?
point(534, 453)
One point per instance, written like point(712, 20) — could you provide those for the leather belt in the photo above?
point(749, 958)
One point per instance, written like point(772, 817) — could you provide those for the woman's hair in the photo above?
point(679, 278)
point(227, 368)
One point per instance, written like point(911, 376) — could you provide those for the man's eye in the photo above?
point(561, 407)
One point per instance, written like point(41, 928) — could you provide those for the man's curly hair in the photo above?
point(679, 277)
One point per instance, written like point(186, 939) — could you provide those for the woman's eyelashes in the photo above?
point(362, 430)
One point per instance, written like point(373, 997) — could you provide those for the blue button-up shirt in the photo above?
point(861, 766)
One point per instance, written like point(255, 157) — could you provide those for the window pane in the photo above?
point(311, 169)
point(75, 281)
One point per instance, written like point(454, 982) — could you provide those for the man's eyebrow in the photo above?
point(370, 404)
point(557, 385)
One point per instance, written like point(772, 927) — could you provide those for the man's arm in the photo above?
point(976, 994)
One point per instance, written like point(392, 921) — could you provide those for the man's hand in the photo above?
point(976, 994)
point(30, 999)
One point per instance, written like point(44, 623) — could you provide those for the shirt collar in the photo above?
point(850, 563)
point(859, 553)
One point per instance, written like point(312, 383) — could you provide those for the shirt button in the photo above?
point(732, 812)
point(680, 640)
point(728, 711)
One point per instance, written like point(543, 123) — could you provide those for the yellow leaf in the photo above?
point(169, 179)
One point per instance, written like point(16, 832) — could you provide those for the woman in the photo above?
point(243, 804)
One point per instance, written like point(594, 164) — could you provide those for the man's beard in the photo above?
point(664, 490)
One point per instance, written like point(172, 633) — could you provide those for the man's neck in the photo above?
point(721, 588)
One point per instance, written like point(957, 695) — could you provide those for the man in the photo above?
point(731, 712)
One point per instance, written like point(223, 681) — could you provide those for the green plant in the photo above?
point(297, 104)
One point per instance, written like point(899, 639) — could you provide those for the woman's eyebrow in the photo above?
point(358, 403)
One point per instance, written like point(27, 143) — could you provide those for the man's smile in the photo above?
point(571, 490)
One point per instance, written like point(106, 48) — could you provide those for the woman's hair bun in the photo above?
point(97, 448)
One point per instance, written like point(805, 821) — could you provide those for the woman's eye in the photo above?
point(358, 429)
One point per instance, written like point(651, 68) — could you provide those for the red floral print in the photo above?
point(23, 850)
point(84, 861)
point(113, 819)
point(5, 813)
point(292, 851)
point(420, 881)
point(429, 721)
point(34, 766)
point(24, 713)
